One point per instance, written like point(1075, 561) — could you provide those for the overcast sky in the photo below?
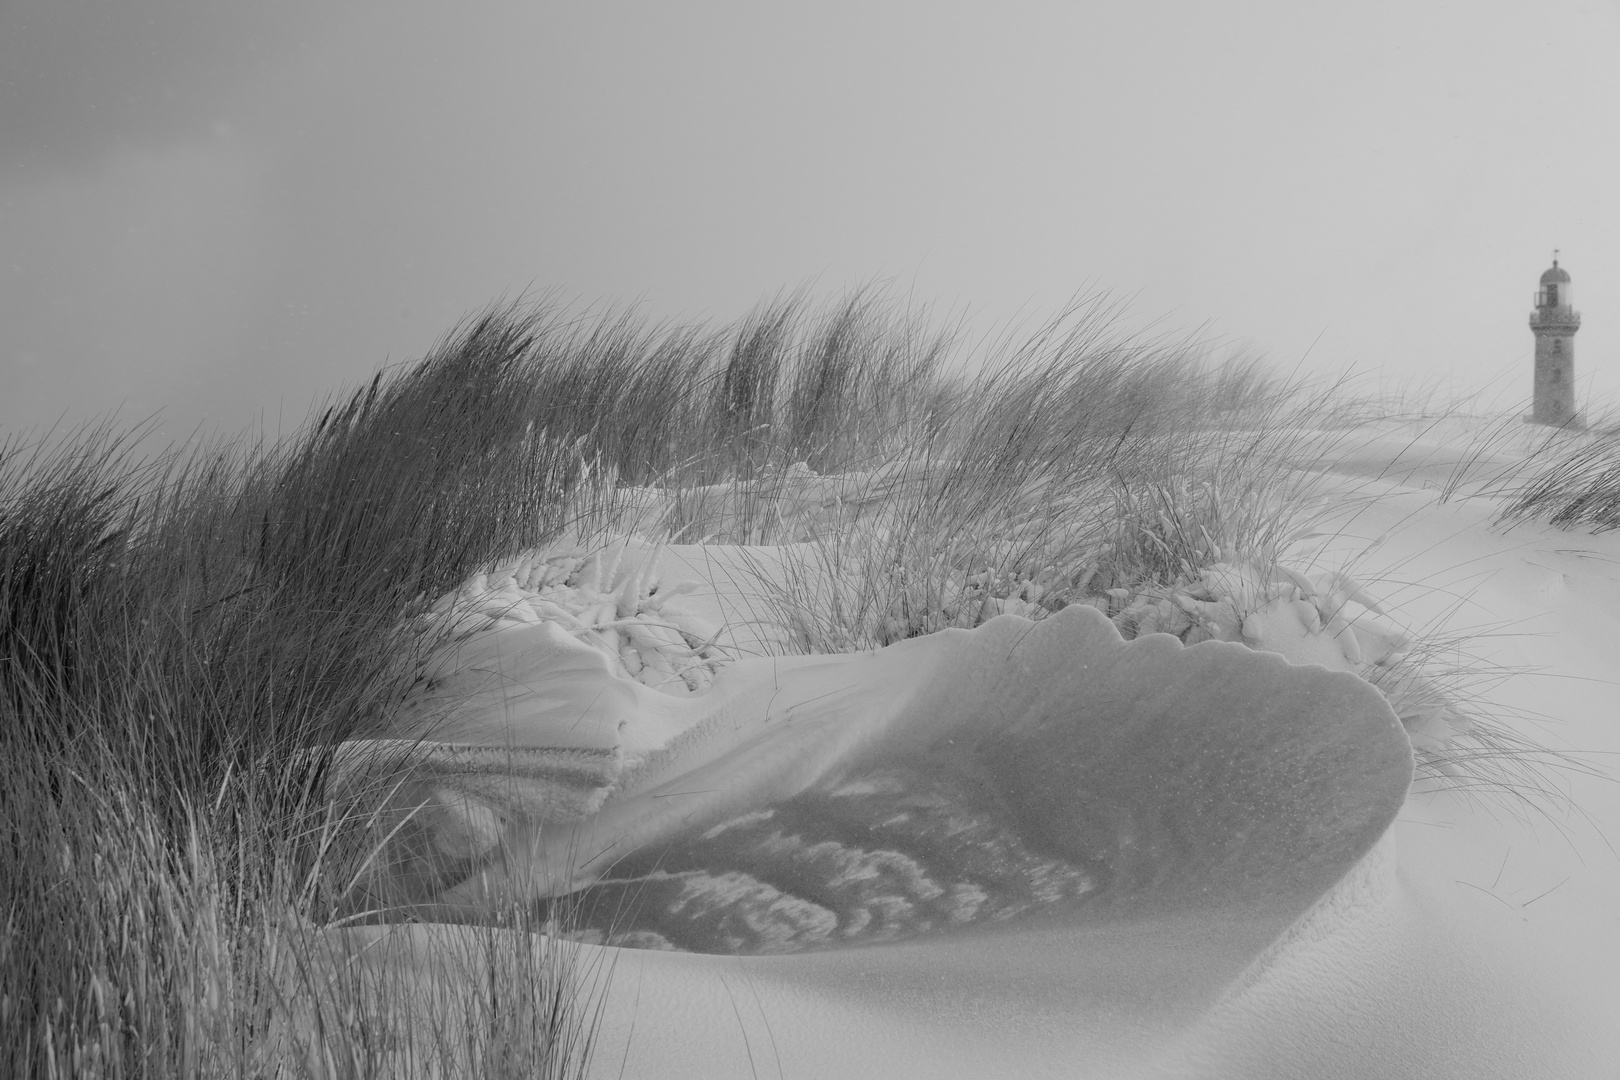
point(224, 210)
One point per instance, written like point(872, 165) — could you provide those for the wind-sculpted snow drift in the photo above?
point(959, 781)
point(1129, 824)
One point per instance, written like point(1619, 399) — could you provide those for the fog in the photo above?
point(220, 212)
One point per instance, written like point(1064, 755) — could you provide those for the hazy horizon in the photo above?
point(227, 212)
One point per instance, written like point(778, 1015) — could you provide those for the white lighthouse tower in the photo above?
point(1554, 323)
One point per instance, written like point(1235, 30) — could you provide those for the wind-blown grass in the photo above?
point(185, 638)
point(1577, 488)
point(179, 633)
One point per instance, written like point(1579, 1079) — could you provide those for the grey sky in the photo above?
point(225, 210)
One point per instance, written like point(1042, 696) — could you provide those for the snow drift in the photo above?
point(955, 781)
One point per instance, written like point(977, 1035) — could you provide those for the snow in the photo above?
point(1293, 916)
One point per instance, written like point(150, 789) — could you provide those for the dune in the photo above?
point(1034, 848)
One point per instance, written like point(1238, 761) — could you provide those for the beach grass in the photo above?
point(187, 636)
point(1576, 487)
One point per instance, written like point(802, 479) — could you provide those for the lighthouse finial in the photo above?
point(1555, 256)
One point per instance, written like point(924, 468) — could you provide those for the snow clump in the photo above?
point(1327, 619)
point(612, 599)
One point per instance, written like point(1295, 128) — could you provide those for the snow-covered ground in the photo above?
point(1270, 904)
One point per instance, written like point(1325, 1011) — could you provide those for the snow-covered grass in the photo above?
point(186, 637)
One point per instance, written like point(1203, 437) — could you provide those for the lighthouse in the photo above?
point(1554, 323)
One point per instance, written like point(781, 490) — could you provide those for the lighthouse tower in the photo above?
point(1554, 323)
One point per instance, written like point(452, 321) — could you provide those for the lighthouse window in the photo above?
point(1557, 375)
point(1558, 346)
point(1552, 296)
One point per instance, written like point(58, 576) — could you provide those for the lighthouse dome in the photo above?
point(1556, 274)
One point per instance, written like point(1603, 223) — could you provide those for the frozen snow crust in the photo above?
point(961, 780)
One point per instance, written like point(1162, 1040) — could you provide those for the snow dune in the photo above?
point(1034, 849)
